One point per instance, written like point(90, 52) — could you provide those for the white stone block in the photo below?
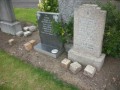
point(27, 33)
point(85, 59)
point(75, 67)
point(32, 28)
point(11, 41)
point(65, 63)
point(89, 71)
point(20, 33)
point(26, 28)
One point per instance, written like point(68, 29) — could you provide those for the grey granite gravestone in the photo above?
point(49, 41)
point(8, 21)
point(89, 24)
point(6, 11)
point(66, 7)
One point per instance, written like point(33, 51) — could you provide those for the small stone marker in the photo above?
point(32, 28)
point(33, 42)
point(28, 46)
point(11, 41)
point(20, 33)
point(89, 25)
point(75, 67)
point(26, 28)
point(27, 33)
point(89, 71)
point(65, 63)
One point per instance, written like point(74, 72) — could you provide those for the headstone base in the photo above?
point(85, 59)
point(10, 28)
point(45, 49)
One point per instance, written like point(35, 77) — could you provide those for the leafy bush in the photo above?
point(48, 5)
point(111, 44)
point(64, 30)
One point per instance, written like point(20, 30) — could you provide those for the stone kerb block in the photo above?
point(89, 25)
point(28, 46)
point(65, 63)
point(26, 28)
point(19, 33)
point(33, 42)
point(27, 33)
point(75, 67)
point(11, 41)
point(32, 28)
point(89, 71)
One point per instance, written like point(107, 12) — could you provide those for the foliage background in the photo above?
point(111, 44)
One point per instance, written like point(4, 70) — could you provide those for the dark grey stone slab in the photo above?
point(47, 38)
point(45, 28)
point(46, 49)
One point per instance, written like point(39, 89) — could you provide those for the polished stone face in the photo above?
point(6, 11)
point(45, 28)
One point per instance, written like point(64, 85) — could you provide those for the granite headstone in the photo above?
point(49, 41)
point(66, 7)
point(89, 25)
point(6, 11)
point(8, 23)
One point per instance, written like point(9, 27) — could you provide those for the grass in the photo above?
point(16, 75)
point(26, 14)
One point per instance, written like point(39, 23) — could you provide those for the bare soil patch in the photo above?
point(107, 79)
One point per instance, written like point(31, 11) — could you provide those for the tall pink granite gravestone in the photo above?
point(8, 23)
point(89, 25)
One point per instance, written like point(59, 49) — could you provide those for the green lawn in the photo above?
point(26, 14)
point(17, 75)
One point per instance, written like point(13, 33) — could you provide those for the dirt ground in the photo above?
point(107, 79)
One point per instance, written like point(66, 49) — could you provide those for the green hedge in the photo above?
point(111, 44)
